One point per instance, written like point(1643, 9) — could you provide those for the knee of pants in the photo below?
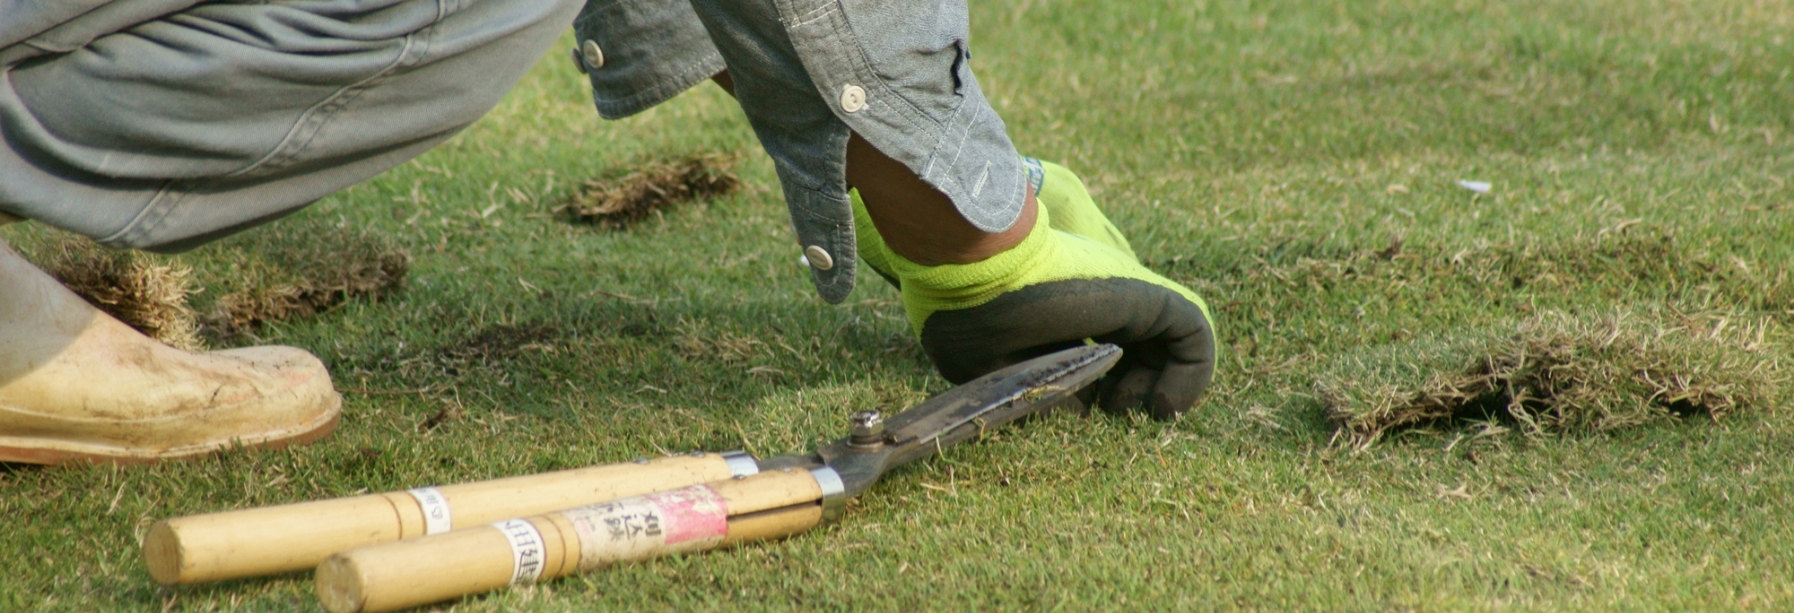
point(210, 120)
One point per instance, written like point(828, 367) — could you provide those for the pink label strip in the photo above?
point(694, 513)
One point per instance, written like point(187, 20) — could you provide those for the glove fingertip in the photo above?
point(1130, 390)
point(1164, 408)
point(1179, 389)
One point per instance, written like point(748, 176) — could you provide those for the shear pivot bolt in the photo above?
point(868, 429)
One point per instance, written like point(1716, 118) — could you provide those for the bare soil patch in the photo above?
point(503, 341)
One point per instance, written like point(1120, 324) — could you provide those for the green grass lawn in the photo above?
point(1268, 154)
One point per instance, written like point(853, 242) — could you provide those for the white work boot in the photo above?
point(76, 384)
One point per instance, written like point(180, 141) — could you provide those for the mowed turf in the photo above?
point(1295, 162)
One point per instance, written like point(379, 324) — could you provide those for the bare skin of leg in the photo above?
point(916, 221)
point(76, 384)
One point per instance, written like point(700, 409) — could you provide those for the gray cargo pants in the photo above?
point(161, 124)
point(192, 125)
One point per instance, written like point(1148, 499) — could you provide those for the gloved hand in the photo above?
point(1073, 278)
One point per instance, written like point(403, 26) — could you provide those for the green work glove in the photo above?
point(1073, 278)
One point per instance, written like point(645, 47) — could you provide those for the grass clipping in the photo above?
point(1551, 374)
point(144, 291)
point(621, 202)
point(299, 268)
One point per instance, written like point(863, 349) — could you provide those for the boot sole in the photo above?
point(49, 451)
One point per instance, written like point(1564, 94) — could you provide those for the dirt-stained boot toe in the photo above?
point(76, 384)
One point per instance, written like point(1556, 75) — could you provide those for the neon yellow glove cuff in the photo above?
point(1046, 254)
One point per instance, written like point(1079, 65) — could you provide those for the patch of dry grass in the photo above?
point(1552, 374)
point(145, 291)
point(300, 268)
point(620, 202)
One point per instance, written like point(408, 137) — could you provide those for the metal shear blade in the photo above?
point(959, 414)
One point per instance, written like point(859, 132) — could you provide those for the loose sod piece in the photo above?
point(1551, 374)
point(145, 291)
point(284, 538)
point(297, 268)
point(621, 202)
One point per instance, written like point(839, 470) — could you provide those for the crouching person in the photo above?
point(163, 124)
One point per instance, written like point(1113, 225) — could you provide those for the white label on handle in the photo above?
point(436, 509)
point(527, 555)
point(690, 519)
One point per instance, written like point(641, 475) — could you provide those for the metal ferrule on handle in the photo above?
point(766, 505)
point(834, 493)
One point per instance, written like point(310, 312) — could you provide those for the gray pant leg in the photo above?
point(222, 116)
